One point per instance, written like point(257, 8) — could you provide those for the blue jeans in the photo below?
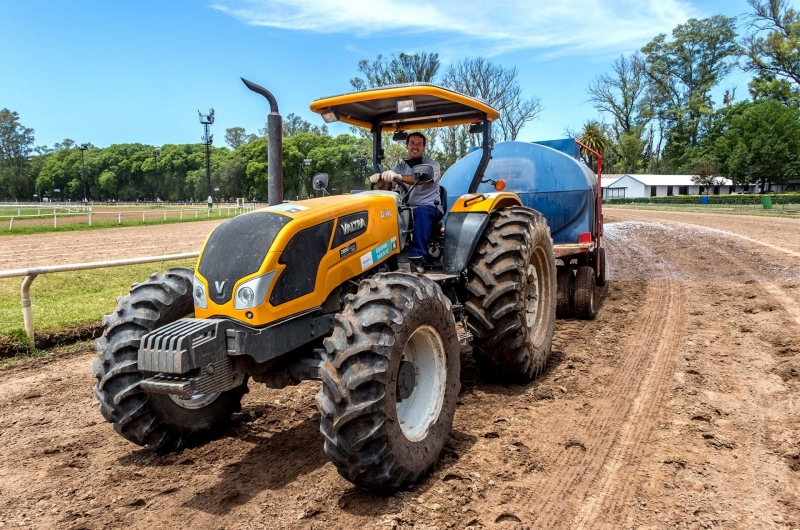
point(424, 219)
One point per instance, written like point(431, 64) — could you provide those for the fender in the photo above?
point(465, 223)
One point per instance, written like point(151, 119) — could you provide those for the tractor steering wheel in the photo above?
point(404, 192)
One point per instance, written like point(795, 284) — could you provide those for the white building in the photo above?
point(627, 185)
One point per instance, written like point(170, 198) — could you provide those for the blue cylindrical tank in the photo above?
point(559, 186)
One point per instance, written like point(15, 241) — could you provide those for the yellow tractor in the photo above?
point(324, 289)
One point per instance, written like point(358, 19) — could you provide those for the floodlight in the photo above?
point(406, 106)
point(330, 116)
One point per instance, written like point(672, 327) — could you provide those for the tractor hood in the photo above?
point(282, 260)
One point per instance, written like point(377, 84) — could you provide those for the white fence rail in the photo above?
point(119, 216)
point(30, 274)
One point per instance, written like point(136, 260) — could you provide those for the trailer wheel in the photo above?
point(511, 282)
point(160, 421)
point(585, 293)
point(601, 262)
point(390, 381)
point(564, 282)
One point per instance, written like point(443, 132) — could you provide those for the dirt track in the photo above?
point(676, 408)
point(55, 248)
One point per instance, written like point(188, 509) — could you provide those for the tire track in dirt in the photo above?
point(615, 491)
point(625, 402)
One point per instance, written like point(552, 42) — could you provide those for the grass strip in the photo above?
point(68, 300)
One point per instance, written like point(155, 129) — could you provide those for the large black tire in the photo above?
point(511, 306)
point(585, 300)
point(154, 420)
point(601, 262)
point(564, 284)
point(368, 435)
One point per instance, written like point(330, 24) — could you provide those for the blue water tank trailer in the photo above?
point(547, 176)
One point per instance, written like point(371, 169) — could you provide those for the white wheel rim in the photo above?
point(419, 411)
point(532, 297)
point(196, 402)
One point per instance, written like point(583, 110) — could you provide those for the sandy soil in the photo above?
point(676, 408)
point(34, 250)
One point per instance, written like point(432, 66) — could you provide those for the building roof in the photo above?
point(668, 180)
point(607, 180)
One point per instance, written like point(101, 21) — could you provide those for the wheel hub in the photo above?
point(421, 382)
point(196, 402)
point(532, 296)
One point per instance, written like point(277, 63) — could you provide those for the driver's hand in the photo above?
point(375, 178)
point(390, 175)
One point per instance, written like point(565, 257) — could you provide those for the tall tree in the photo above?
point(500, 88)
point(622, 95)
point(684, 70)
point(402, 68)
point(237, 137)
point(773, 44)
point(16, 144)
point(758, 142)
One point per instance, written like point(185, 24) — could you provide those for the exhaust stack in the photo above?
point(275, 144)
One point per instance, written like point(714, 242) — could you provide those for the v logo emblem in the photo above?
point(220, 286)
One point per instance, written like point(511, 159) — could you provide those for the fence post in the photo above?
point(165, 216)
point(27, 313)
point(19, 211)
point(181, 215)
point(142, 216)
point(11, 224)
point(195, 214)
point(119, 218)
point(90, 218)
point(55, 219)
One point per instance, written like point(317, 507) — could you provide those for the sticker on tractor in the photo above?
point(346, 251)
point(287, 207)
point(375, 255)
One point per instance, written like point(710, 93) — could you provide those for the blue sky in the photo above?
point(121, 71)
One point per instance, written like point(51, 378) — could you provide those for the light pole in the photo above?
point(206, 120)
point(83, 147)
point(156, 154)
point(306, 164)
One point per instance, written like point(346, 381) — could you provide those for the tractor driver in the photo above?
point(423, 198)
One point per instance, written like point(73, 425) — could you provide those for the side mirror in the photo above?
point(423, 173)
point(320, 181)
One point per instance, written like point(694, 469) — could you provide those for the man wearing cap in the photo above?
point(423, 197)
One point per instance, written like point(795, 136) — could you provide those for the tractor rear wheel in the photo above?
point(390, 381)
point(160, 421)
point(585, 299)
point(564, 283)
point(511, 281)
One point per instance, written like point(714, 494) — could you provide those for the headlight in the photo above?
point(199, 294)
point(252, 293)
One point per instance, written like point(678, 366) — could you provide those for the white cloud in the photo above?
point(593, 26)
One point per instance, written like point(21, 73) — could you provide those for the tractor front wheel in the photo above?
point(165, 423)
point(390, 381)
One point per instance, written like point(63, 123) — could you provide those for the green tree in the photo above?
point(773, 45)
point(683, 72)
point(16, 145)
point(236, 137)
point(758, 142)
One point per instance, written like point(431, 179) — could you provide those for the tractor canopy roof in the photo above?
point(391, 107)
